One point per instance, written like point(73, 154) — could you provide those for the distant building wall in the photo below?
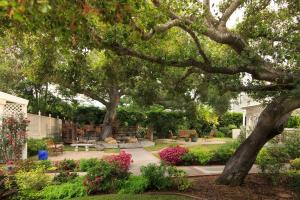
point(42, 126)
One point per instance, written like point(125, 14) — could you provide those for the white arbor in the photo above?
point(11, 106)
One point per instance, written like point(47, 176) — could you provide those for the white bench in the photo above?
point(82, 145)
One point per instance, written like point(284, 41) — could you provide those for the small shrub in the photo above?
point(292, 145)
point(220, 134)
point(64, 177)
point(123, 160)
point(104, 177)
point(164, 177)
point(295, 164)
point(34, 145)
point(189, 159)
point(203, 156)
point(8, 187)
point(223, 153)
point(30, 183)
point(65, 190)
point(294, 176)
point(271, 161)
point(46, 164)
point(26, 165)
point(66, 165)
point(86, 164)
point(173, 155)
point(134, 185)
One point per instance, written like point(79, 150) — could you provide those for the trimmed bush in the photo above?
point(295, 164)
point(203, 156)
point(223, 153)
point(189, 159)
point(64, 191)
point(86, 164)
point(173, 155)
point(67, 165)
point(292, 145)
point(64, 177)
point(134, 185)
point(162, 177)
point(34, 145)
point(31, 183)
point(294, 176)
point(220, 134)
point(231, 118)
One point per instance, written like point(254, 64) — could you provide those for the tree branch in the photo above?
point(229, 11)
point(209, 17)
point(261, 88)
point(160, 28)
point(197, 42)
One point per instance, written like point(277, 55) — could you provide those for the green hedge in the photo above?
point(293, 122)
point(231, 118)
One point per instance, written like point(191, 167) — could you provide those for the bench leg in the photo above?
point(76, 148)
point(86, 148)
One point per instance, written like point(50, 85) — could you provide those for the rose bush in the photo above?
point(173, 155)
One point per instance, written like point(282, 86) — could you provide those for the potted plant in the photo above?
point(187, 139)
point(194, 136)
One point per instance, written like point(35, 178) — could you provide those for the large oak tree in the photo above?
point(264, 45)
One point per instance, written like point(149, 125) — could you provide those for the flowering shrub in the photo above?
point(67, 165)
point(12, 137)
point(104, 177)
point(173, 155)
point(122, 160)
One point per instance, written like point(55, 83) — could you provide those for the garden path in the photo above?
point(140, 158)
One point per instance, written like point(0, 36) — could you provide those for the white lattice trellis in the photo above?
point(12, 106)
point(13, 109)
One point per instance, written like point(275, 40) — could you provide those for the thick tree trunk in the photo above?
point(270, 124)
point(111, 112)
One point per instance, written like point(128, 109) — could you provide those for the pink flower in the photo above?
point(172, 155)
point(122, 160)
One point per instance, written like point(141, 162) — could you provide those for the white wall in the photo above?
point(42, 126)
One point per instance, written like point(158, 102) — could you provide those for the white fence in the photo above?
point(42, 126)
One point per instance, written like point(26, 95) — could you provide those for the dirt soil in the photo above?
point(255, 187)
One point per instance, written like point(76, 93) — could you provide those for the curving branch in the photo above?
point(209, 17)
point(229, 11)
point(160, 28)
point(261, 88)
point(196, 41)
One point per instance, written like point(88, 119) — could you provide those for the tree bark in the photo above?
point(111, 112)
point(270, 123)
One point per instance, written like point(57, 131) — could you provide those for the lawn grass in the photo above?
point(159, 146)
point(114, 150)
point(130, 197)
point(209, 147)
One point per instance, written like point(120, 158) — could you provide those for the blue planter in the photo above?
point(43, 155)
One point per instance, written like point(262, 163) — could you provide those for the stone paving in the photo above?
point(140, 157)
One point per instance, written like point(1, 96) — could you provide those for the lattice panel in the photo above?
point(12, 109)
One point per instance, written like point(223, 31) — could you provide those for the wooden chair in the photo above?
point(54, 149)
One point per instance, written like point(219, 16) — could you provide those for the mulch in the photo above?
point(256, 187)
